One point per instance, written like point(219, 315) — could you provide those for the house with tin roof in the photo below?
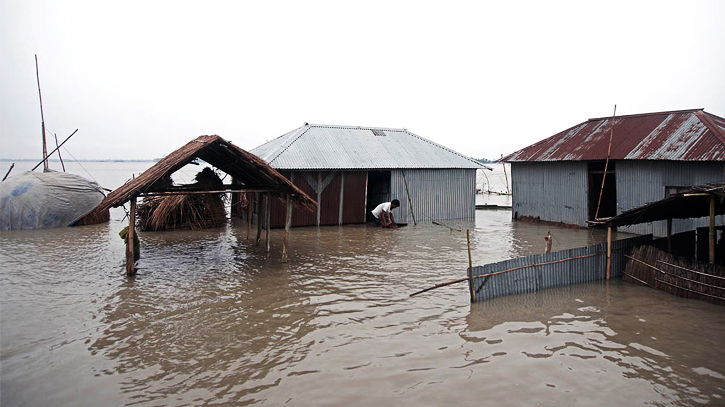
point(352, 169)
point(603, 167)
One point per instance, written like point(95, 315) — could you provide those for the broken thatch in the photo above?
point(196, 211)
point(251, 173)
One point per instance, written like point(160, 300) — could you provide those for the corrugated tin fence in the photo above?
point(547, 270)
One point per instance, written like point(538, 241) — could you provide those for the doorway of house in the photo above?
point(608, 204)
point(378, 190)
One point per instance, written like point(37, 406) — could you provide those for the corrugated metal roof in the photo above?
point(684, 135)
point(315, 146)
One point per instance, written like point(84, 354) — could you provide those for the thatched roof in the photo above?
point(254, 174)
point(694, 203)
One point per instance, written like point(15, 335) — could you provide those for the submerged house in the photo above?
point(647, 157)
point(349, 170)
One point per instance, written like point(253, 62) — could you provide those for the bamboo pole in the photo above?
point(508, 191)
point(8, 173)
point(439, 285)
point(60, 157)
point(130, 261)
point(410, 201)
point(470, 267)
point(46, 168)
point(287, 226)
point(51, 153)
point(606, 163)
point(609, 251)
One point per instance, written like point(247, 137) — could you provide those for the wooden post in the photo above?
point(259, 218)
point(249, 216)
point(342, 198)
point(266, 221)
point(609, 251)
point(287, 225)
point(410, 201)
point(470, 268)
point(669, 236)
point(130, 261)
point(712, 229)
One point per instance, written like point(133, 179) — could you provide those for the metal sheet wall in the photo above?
point(439, 194)
point(547, 270)
point(551, 191)
point(351, 184)
point(641, 182)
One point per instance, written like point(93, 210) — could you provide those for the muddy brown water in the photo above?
point(211, 319)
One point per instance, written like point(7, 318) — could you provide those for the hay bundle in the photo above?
point(195, 211)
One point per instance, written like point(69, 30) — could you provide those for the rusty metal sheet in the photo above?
point(685, 135)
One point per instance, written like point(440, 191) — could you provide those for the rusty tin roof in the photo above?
point(683, 135)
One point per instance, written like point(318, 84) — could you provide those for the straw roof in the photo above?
point(247, 168)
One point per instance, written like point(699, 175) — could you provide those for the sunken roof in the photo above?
point(315, 147)
point(684, 135)
point(245, 167)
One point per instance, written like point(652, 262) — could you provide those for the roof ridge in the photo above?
point(712, 126)
point(288, 144)
point(342, 126)
point(646, 114)
point(444, 148)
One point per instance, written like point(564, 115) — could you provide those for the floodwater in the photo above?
point(212, 319)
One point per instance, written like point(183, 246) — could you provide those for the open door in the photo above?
point(378, 190)
point(608, 204)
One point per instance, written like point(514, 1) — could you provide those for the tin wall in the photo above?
point(551, 191)
point(641, 182)
point(342, 201)
point(547, 270)
point(439, 194)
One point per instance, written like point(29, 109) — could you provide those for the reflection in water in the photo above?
point(211, 319)
point(589, 334)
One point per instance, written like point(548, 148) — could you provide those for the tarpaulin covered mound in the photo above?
point(39, 200)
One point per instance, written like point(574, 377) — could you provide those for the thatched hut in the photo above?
point(248, 172)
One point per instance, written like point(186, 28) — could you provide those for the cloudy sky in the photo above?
point(138, 79)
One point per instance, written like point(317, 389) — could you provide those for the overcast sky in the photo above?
point(139, 79)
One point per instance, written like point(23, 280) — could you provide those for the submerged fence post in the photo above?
point(130, 260)
point(470, 268)
point(609, 251)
